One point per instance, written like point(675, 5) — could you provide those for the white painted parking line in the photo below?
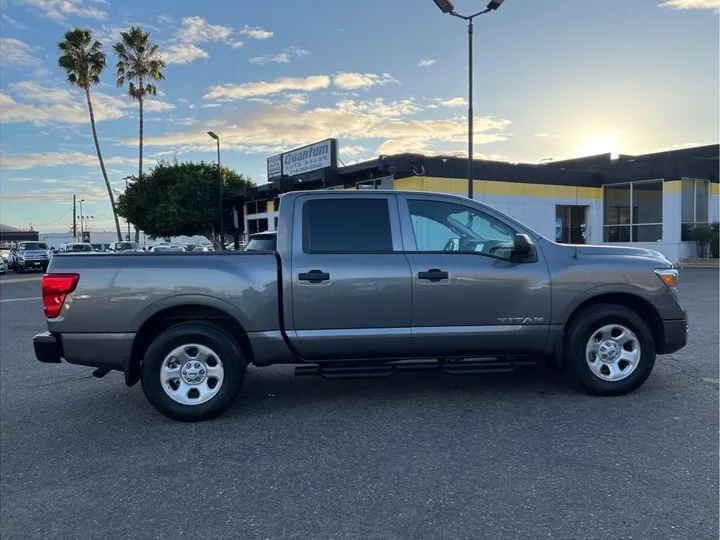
point(22, 299)
point(21, 280)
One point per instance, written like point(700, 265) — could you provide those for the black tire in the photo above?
point(209, 335)
point(582, 329)
point(20, 269)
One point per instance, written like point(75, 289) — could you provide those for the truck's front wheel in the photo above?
point(610, 350)
point(192, 371)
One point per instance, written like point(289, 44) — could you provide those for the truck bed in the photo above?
point(118, 292)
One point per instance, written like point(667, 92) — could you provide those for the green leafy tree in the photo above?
point(139, 66)
point(179, 199)
point(83, 60)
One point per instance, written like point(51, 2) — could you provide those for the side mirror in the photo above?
point(453, 244)
point(523, 250)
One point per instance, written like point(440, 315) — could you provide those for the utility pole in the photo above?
point(74, 217)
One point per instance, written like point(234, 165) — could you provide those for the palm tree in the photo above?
point(139, 65)
point(83, 61)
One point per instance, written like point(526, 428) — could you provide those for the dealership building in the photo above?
point(650, 200)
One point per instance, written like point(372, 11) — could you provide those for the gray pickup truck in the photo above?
point(364, 283)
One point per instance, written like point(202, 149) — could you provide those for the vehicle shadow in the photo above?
point(277, 388)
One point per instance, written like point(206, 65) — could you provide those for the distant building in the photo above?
point(11, 235)
point(650, 200)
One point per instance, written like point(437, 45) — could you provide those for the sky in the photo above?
point(553, 80)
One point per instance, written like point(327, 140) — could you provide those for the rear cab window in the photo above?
point(352, 225)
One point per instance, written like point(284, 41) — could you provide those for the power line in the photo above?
point(56, 220)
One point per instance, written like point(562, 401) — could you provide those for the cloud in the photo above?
point(424, 63)
point(353, 81)
point(452, 102)
point(60, 10)
point(691, 4)
point(256, 32)
point(542, 135)
point(282, 57)
point(183, 53)
point(229, 92)
point(379, 107)
point(183, 49)
point(56, 159)
point(30, 102)
point(154, 105)
point(17, 53)
point(285, 125)
point(198, 30)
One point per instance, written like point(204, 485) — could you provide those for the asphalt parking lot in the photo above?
point(411, 456)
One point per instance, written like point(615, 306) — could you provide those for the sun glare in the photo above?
point(600, 144)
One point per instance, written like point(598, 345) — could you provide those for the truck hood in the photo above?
point(617, 250)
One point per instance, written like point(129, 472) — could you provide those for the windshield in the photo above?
point(33, 246)
point(264, 242)
point(125, 246)
point(79, 248)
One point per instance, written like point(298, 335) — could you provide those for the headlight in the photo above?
point(670, 277)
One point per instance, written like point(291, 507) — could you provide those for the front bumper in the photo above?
point(34, 263)
point(674, 336)
point(48, 348)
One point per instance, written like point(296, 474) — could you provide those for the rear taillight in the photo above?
point(55, 288)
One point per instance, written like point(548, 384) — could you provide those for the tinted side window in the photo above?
point(347, 226)
point(449, 227)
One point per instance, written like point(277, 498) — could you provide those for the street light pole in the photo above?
point(81, 219)
point(447, 7)
point(220, 191)
point(126, 220)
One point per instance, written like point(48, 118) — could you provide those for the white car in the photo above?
point(76, 247)
point(162, 248)
point(3, 266)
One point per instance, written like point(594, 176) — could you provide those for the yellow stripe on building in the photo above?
point(673, 187)
point(491, 187)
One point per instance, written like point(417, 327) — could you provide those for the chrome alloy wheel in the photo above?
point(613, 352)
point(191, 374)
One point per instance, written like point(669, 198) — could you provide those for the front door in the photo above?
point(351, 286)
point(469, 298)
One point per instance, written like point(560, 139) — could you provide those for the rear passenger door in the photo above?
point(351, 283)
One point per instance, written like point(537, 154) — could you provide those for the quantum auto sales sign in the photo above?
point(310, 158)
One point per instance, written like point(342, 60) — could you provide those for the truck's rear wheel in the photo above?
point(610, 350)
point(192, 371)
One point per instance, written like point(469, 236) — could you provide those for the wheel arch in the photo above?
point(167, 317)
point(635, 303)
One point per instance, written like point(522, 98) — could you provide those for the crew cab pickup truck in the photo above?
point(364, 283)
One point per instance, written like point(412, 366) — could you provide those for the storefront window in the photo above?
point(633, 212)
point(695, 206)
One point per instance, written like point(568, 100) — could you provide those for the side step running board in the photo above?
point(454, 367)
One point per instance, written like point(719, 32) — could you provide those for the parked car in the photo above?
point(76, 247)
point(124, 247)
point(3, 266)
point(361, 281)
point(265, 241)
point(29, 256)
point(162, 248)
